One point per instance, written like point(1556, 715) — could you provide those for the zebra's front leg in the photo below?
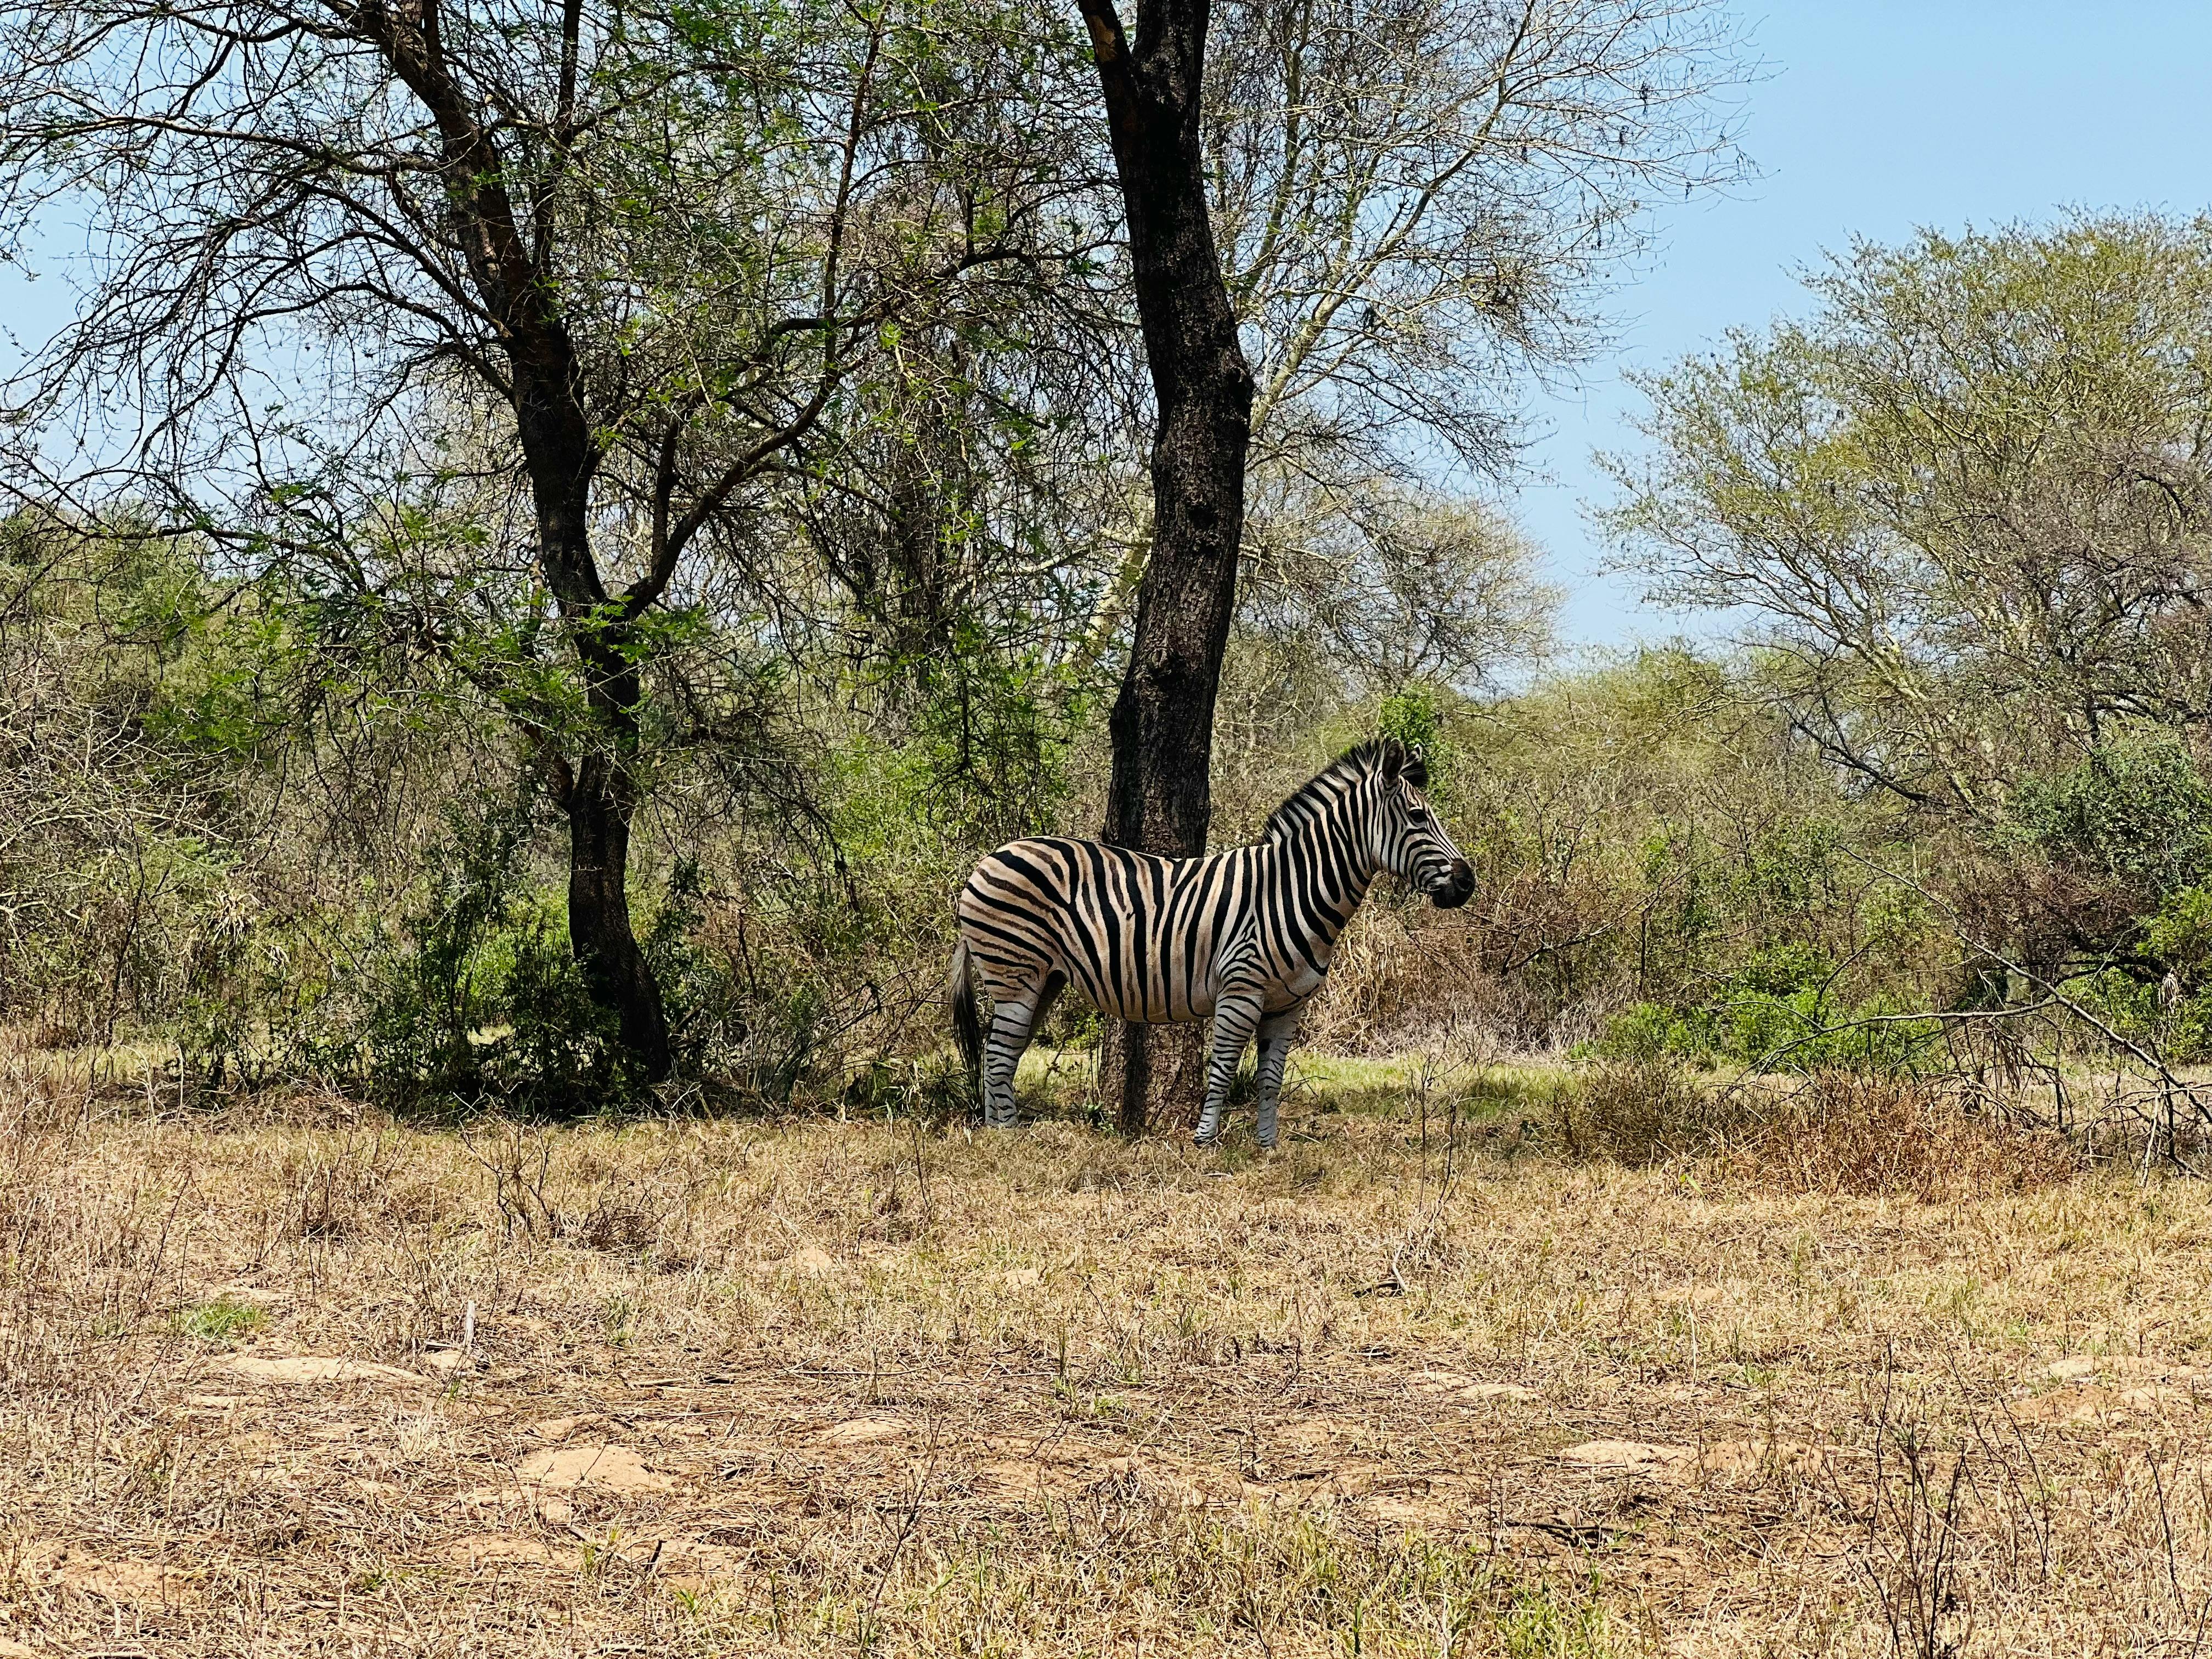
point(1012, 1024)
point(1235, 1018)
point(1275, 1034)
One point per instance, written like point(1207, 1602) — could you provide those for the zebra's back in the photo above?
point(1143, 938)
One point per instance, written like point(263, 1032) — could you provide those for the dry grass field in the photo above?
point(290, 1378)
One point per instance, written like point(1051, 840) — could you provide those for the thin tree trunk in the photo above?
point(598, 794)
point(561, 454)
point(615, 969)
point(1160, 800)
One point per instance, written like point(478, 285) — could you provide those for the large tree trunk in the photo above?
point(597, 793)
point(1161, 799)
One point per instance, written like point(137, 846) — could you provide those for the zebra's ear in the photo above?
point(1394, 759)
point(1416, 770)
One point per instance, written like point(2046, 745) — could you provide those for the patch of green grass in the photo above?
point(618, 1319)
point(1057, 1082)
point(1536, 1623)
point(223, 1320)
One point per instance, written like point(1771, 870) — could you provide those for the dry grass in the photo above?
point(1838, 1133)
point(1412, 1386)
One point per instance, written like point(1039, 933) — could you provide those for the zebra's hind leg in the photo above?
point(1011, 1023)
point(1234, 1020)
point(1275, 1034)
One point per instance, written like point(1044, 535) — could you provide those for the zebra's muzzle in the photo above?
point(1456, 889)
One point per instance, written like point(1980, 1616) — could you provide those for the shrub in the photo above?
point(479, 999)
point(1853, 1134)
point(1652, 1031)
point(1839, 1132)
point(1641, 1112)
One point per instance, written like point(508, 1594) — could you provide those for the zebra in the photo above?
point(1244, 935)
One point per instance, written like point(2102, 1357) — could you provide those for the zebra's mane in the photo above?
point(1357, 762)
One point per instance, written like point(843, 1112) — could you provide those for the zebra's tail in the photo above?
point(967, 1029)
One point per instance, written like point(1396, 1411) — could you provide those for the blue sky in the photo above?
point(1875, 117)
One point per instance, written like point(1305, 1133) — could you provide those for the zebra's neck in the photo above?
point(1329, 845)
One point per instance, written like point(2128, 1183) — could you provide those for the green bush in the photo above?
point(1652, 1031)
point(1789, 1030)
point(2137, 809)
point(478, 999)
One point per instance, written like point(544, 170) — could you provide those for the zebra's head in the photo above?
point(1410, 840)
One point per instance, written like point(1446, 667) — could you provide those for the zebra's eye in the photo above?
point(1417, 814)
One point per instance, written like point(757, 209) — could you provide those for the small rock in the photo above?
point(615, 1467)
point(2091, 1402)
point(1626, 1455)
point(1731, 1460)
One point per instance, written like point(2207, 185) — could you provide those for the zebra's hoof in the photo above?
point(1205, 1140)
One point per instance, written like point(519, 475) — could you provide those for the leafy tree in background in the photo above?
point(1965, 511)
point(1966, 508)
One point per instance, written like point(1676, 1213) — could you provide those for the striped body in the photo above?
point(1244, 936)
point(1150, 940)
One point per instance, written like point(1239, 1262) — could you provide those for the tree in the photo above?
point(1964, 509)
point(1159, 800)
point(1399, 208)
point(635, 253)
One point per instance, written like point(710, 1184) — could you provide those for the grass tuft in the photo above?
point(221, 1321)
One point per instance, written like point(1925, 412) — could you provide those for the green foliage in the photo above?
point(1792, 1030)
point(1539, 1622)
point(2181, 932)
point(477, 999)
point(1654, 1030)
point(1956, 497)
point(1417, 716)
point(2137, 809)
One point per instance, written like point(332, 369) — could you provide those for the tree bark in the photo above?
point(1160, 800)
point(599, 794)
point(615, 969)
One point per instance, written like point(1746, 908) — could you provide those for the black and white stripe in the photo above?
point(1244, 936)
